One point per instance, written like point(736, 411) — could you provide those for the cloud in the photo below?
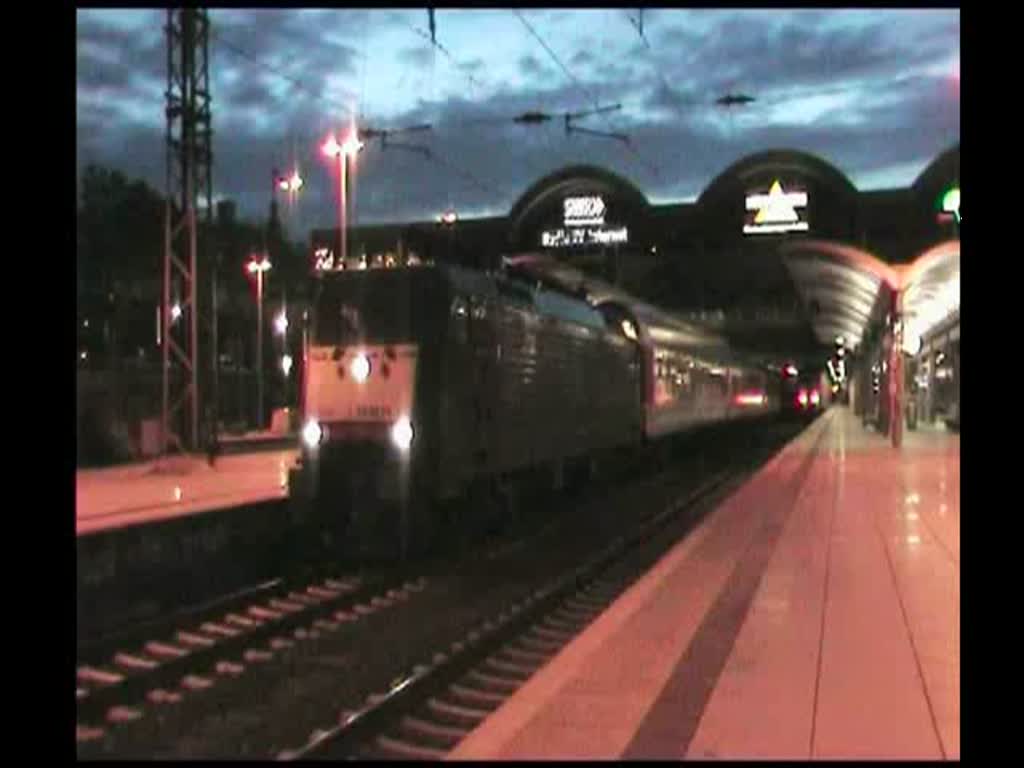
point(582, 58)
point(530, 66)
point(862, 89)
point(419, 56)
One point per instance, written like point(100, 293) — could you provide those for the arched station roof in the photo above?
point(774, 161)
point(940, 172)
point(931, 291)
point(565, 182)
point(840, 284)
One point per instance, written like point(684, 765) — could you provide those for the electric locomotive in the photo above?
point(421, 381)
point(424, 383)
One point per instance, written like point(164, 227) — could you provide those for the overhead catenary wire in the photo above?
point(638, 24)
point(584, 90)
point(437, 46)
point(351, 112)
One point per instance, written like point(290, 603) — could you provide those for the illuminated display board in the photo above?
point(584, 211)
point(951, 202)
point(324, 260)
point(568, 237)
point(583, 218)
point(776, 212)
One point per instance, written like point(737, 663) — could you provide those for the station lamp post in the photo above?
point(290, 184)
point(344, 153)
point(257, 265)
point(447, 222)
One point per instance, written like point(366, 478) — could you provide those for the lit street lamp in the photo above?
point(257, 265)
point(343, 152)
point(447, 221)
point(281, 323)
point(291, 183)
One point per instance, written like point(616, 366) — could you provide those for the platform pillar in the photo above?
point(897, 411)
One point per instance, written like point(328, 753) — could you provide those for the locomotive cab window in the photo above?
point(375, 306)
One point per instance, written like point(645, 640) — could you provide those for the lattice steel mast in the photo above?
point(189, 160)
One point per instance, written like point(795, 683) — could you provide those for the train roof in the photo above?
point(656, 324)
point(552, 303)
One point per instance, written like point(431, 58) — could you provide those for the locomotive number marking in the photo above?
point(373, 411)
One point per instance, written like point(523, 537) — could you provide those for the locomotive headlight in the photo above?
point(312, 434)
point(401, 434)
point(360, 368)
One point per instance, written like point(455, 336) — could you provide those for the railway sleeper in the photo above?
point(539, 644)
point(165, 650)
point(511, 668)
point(404, 751)
point(441, 735)
point(456, 714)
point(487, 699)
point(583, 604)
point(560, 636)
point(582, 615)
point(135, 663)
point(506, 684)
point(560, 620)
point(523, 655)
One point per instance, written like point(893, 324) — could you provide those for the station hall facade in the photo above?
point(729, 258)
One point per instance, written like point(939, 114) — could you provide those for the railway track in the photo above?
point(300, 653)
point(163, 663)
point(428, 712)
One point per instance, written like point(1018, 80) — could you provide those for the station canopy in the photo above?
point(840, 286)
point(931, 293)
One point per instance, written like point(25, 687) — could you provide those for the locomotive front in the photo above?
point(365, 370)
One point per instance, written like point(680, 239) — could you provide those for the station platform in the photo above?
point(145, 493)
point(814, 614)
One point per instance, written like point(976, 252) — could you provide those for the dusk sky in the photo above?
point(876, 93)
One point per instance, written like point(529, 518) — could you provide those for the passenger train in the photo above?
point(422, 383)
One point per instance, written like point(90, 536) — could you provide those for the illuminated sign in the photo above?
point(323, 260)
point(951, 202)
point(584, 224)
point(776, 212)
point(566, 238)
point(584, 211)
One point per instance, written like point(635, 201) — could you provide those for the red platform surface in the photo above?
point(814, 614)
point(140, 494)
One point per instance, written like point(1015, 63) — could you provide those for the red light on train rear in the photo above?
point(802, 398)
point(815, 397)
